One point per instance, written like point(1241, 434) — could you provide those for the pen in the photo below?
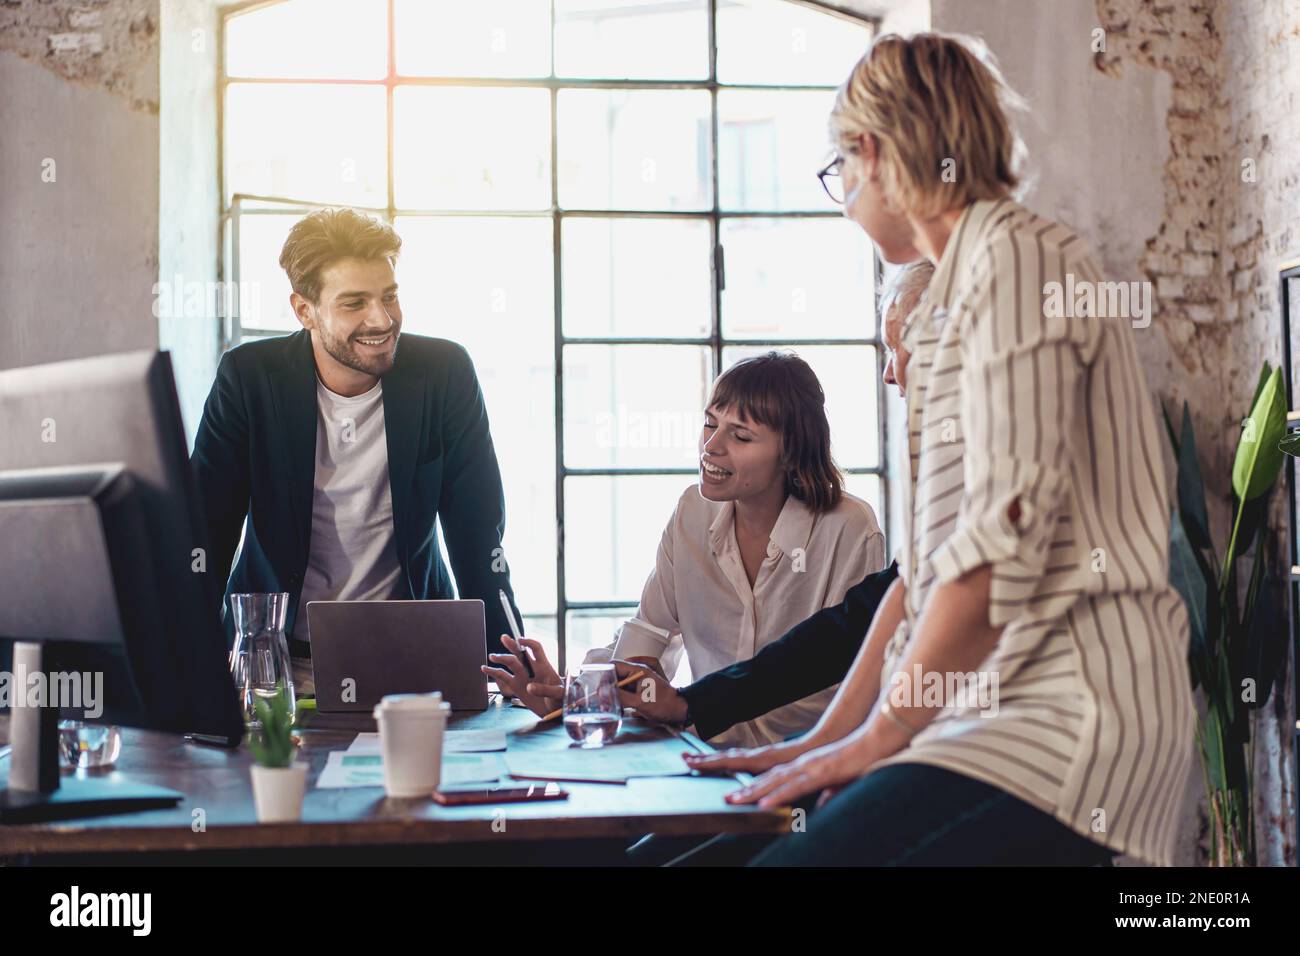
point(516, 633)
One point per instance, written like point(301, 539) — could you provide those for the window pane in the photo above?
point(264, 288)
point(776, 42)
point(848, 377)
point(632, 39)
point(541, 627)
point(461, 148)
point(266, 153)
point(612, 528)
point(770, 146)
point(589, 628)
point(867, 487)
point(634, 149)
point(482, 282)
point(310, 40)
point(483, 38)
point(637, 277)
point(797, 279)
point(634, 406)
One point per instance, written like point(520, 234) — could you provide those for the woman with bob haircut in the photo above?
point(766, 537)
point(1022, 696)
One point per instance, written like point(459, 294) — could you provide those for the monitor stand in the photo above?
point(35, 791)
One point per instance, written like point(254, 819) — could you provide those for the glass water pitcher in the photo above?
point(260, 659)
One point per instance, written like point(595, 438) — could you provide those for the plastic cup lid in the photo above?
point(412, 704)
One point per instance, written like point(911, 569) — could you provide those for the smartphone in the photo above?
point(499, 793)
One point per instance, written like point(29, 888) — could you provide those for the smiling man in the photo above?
point(337, 449)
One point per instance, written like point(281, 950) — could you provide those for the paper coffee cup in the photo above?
point(411, 728)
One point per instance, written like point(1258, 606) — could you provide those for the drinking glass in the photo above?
point(83, 745)
point(260, 659)
point(592, 712)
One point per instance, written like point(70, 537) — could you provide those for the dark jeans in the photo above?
point(917, 815)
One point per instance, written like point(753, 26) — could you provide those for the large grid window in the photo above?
point(605, 201)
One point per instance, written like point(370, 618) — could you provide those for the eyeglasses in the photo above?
point(831, 181)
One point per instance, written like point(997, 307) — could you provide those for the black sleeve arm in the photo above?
point(221, 468)
point(473, 508)
point(813, 655)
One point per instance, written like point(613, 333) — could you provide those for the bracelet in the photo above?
point(897, 719)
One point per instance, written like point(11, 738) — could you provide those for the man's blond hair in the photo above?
point(937, 106)
point(325, 236)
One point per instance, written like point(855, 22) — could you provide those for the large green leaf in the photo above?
point(1253, 516)
point(1169, 428)
point(1260, 382)
point(1234, 721)
point(1259, 459)
point(1188, 579)
point(1191, 488)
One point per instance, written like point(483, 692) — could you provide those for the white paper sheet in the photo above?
point(361, 769)
point(453, 742)
point(471, 768)
point(615, 763)
point(345, 769)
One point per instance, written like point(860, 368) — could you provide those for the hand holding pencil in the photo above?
point(542, 690)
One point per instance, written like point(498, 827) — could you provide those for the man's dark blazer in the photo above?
point(255, 457)
point(814, 654)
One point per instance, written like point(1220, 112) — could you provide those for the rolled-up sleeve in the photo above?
point(1023, 366)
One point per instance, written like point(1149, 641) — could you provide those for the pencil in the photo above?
point(630, 678)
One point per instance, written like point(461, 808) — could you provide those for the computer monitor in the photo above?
point(103, 572)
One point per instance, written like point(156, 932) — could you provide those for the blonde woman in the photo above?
point(1034, 568)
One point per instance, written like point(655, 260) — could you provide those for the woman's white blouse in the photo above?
point(1012, 399)
point(698, 597)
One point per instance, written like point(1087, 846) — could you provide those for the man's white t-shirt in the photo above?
point(353, 556)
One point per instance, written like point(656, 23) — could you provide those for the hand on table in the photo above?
point(827, 768)
point(542, 693)
point(743, 760)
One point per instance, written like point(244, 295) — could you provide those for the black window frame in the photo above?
point(233, 331)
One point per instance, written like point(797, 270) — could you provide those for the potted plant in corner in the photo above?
point(1238, 641)
point(278, 782)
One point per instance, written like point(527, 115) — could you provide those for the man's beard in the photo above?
point(345, 353)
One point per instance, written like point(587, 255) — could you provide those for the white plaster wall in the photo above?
point(78, 256)
point(189, 194)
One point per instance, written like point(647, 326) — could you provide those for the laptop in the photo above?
point(362, 651)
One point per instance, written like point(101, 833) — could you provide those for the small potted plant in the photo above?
point(278, 783)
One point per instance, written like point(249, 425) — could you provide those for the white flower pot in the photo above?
point(278, 792)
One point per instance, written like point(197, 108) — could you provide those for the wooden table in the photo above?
point(216, 782)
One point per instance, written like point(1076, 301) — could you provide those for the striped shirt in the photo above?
point(1093, 715)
